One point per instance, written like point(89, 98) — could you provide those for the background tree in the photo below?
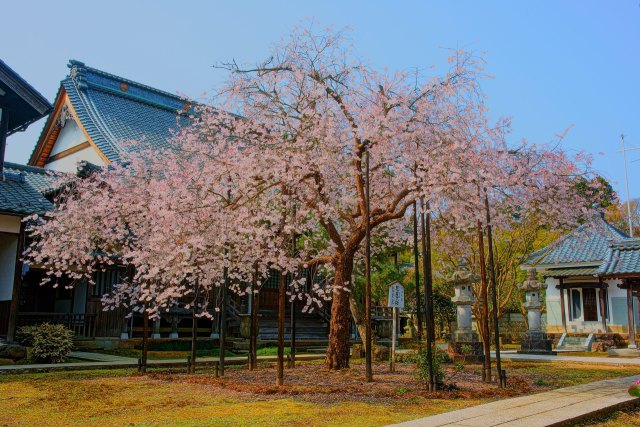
point(617, 215)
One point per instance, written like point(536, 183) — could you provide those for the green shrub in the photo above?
point(422, 364)
point(51, 343)
point(440, 358)
point(24, 335)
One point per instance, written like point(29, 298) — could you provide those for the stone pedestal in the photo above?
point(534, 341)
point(464, 335)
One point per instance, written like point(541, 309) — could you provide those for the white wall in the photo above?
point(8, 255)
point(71, 136)
point(70, 163)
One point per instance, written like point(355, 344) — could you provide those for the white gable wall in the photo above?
point(71, 136)
point(70, 162)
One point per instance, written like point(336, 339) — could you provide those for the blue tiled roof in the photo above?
point(568, 272)
point(623, 257)
point(22, 189)
point(114, 110)
point(586, 245)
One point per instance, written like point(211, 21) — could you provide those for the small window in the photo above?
point(576, 306)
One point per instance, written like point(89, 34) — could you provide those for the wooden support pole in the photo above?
point(425, 222)
point(281, 308)
point(367, 275)
point(194, 338)
point(145, 342)
point(253, 329)
point(394, 334)
point(494, 295)
point(223, 320)
point(292, 362)
point(603, 308)
point(416, 262)
point(563, 310)
point(631, 317)
point(484, 300)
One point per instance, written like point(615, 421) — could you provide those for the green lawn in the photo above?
point(628, 418)
point(312, 396)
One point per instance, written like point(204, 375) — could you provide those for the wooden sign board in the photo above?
point(396, 296)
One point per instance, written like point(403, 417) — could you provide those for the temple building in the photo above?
point(593, 279)
point(22, 188)
point(95, 117)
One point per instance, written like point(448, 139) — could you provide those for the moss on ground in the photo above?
point(167, 397)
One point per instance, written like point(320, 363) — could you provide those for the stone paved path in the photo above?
point(550, 408)
point(635, 361)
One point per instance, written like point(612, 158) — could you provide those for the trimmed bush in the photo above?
point(24, 335)
point(51, 343)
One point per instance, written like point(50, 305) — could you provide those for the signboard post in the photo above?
point(395, 300)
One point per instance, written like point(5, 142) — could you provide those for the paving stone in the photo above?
point(540, 409)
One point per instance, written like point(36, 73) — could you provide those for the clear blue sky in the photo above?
point(556, 63)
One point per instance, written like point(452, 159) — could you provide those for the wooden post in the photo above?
point(253, 330)
point(194, 336)
point(416, 262)
point(223, 319)
point(563, 310)
point(281, 308)
point(292, 362)
point(494, 294)
point(484, 300)
point(145, 343)
point(394, 334)
point(367, 274)
point(631, 317)
point(603, 308)
point(17, 283)
point(428, 291)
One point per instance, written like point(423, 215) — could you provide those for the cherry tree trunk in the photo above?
point(338, 350)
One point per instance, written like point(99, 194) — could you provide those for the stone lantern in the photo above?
point(462, 279)
point(535, 340)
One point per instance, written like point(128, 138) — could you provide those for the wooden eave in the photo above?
point(42, 153)
point(578, 285)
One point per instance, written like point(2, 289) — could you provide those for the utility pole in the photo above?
point(626, 180)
